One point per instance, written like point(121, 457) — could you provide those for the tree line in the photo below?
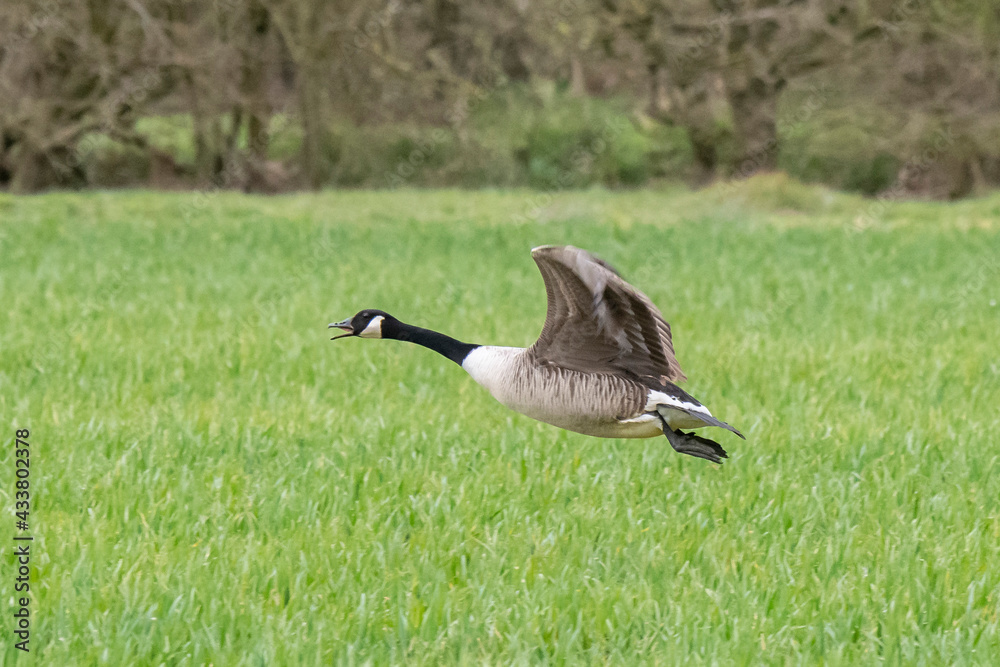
point(76, 77)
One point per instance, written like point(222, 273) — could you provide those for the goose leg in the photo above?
point(694, 445)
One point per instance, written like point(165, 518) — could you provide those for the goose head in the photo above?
point(368, 323)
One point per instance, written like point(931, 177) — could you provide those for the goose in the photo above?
point(603, 365)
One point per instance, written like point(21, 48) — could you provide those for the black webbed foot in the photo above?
point(695, 445)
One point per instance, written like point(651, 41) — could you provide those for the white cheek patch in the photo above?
point(374, 328)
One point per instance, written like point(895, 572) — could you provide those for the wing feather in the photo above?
point(597, 322)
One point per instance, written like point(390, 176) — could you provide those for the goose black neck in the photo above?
point(455, 350)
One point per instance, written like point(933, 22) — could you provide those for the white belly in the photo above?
point(644, 426)
point(539, 395)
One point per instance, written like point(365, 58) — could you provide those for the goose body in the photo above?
point(602, 405)
point(598, 405)
point(603, 365)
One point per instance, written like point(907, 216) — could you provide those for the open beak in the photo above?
point(343, 326)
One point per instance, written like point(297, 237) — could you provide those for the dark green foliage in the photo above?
point(550, 140)
point(115, 165)
point(874, 176)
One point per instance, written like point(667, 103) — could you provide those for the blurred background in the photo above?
point(894, 99)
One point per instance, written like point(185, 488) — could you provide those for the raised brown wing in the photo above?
point(597, 322)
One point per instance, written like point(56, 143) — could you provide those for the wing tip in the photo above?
point(547, 248)
point(571, 256)
point(730, 428)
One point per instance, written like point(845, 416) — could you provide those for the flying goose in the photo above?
point(603, 365)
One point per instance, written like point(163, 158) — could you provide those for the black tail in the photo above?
point(695, 445)
point(712, 421)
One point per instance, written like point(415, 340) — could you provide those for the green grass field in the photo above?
point(215, 482)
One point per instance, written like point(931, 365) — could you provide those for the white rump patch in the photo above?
point(659, 398)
